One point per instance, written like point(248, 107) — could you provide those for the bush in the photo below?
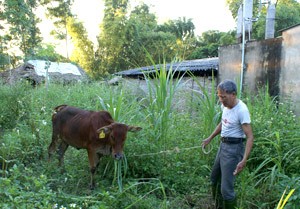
point(13, 104)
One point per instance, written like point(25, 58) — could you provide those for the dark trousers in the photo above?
point(228, 156)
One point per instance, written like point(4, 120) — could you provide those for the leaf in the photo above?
point(282, 204)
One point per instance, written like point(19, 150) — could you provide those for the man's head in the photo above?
point(227, 92)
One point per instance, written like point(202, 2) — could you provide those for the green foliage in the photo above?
point(161, 93)
point(184, 41)
point(47, 52)
point(181, 27)
point(173, 173)
point(112, 37)
point(126, 36)
point(13, 106)
point(83, 52)
point(4, 61)
point(114, 104)
point(4, 42)
point(235, 4)
point(59, 11)
point(208, 106)
point(276, 147)
point(287, 14)
point(22, 22)
point(143, 29)
point(209, 42)
point(282, 202)
point(160, 45)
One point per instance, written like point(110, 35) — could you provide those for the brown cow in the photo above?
point(96, 132)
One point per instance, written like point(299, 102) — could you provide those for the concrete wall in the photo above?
point(230, 62)
point(262, 64)
point(274, 61)
point(290, 73)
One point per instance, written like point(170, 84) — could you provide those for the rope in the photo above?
point(176, 149)
point(206, 152)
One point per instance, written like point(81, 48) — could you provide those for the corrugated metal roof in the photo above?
point(202, 65)
point(292, 26)
point(40, 67)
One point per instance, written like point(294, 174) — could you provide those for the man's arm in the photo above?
point(250, 139)
point(216, 132)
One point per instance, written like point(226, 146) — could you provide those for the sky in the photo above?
point(205, 14)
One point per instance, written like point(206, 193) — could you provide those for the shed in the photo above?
point(36, 72)
point(188, 87)
point(198, 67)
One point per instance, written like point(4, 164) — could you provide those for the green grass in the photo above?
point(163, 168)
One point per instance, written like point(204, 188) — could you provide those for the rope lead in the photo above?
point(176, 149)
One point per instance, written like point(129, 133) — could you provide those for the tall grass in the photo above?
point(161, 91)
point(120, 165)
point(282, 201)
point(114, 103)
point(209, 108)
point(276, 147)
point(156, 184)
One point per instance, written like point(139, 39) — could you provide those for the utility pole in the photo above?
point(247, 11)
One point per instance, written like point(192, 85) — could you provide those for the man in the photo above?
point(232, 155)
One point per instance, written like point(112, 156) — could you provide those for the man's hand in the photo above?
point(205, 142)
point(240, 166)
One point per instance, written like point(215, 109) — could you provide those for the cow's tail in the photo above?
point(58, 109)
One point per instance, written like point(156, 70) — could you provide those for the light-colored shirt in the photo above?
point(232, 120)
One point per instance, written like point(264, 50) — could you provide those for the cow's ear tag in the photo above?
point(101, 135)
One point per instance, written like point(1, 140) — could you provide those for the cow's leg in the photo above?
point(94, 161)
point(99, 157)
point(52, 146)
point(61, 152)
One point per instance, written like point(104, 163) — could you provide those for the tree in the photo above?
point(139, 23)
point(159, 45)
point(126, 39)
point(83, 52)
point(60, 11)
point(142, 37)
point(47, 52)
point(4, 57)
point(287, 14)
point(209, 43)
point(22, 23)
point(183, 28)
point(110, 54)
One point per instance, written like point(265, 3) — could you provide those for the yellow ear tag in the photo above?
point(101, 135)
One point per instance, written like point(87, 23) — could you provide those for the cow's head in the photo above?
point(117, 132)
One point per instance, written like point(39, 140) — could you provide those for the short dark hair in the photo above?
point(228, 86)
